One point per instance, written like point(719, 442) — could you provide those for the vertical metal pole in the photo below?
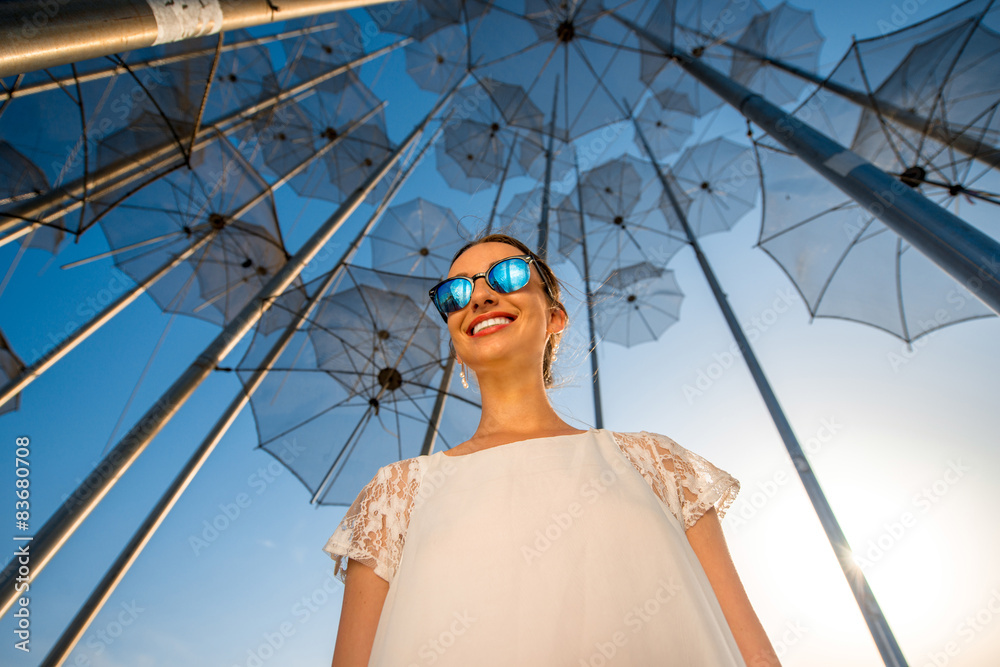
point(67, 518)
point(962, 251)
point(503, 179)
point(435, 421)
point(877, 624)
point(543, 223)
point(598, 412)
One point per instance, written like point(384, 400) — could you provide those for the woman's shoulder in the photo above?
point(645, 440)
point(403, 472)
point(648, 449)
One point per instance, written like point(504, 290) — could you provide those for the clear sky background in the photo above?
point(887, 440)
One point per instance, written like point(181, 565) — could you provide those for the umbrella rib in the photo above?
point(330, 479)
point(899, 287)
point(840, 261)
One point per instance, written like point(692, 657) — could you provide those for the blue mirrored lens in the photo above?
point(509, 275)
point(454, 295)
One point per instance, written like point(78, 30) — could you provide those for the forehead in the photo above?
point(479, 257)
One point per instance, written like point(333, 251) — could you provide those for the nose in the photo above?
point(482, 294)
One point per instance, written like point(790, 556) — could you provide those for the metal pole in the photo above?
point(116, 70)
point(543, 223)
point(65, 520)
point(53, 205)
point(941, 131)
point(965, 253)
point(438, 410)
point(598, 413)
point(28, 375)
point(35, 35)
point(877, 624)
point(503, 179)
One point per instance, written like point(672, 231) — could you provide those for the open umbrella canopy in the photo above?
point(637, 303)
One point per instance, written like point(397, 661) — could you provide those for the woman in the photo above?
point(533, 542)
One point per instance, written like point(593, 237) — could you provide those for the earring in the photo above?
point(461, 373)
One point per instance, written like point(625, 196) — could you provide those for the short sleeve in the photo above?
point(373, 530)
point(687, 483)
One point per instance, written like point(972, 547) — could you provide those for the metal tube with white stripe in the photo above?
point(35, 35)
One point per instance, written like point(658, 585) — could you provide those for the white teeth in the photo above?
point(489, 323)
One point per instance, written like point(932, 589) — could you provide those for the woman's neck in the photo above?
point(516, 407)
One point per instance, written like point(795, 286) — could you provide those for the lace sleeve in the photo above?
point(374, 529)
point(687, 483)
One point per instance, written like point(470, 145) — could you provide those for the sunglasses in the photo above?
point(506, 276)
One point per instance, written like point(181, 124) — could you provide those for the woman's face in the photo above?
point(517, 325)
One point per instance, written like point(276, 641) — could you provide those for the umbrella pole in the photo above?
point(976, 149)
point(30, 374)
point(965, 253)
point(435, 422)
point(116, 70)
point(118, 175)
point(82, 30)
point(598, 413)
point(877, 623)
point(65, 520)
point(543, 223)
point(503, 178)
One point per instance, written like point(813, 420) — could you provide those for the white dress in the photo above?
point(562, 551)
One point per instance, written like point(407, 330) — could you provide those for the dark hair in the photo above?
point(553, 290)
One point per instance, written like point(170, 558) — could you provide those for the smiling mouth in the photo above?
point(492, 323)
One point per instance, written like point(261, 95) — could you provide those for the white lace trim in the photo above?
point(686, 483)
point(374, 529)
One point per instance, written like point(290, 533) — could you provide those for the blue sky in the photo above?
point(903, 442)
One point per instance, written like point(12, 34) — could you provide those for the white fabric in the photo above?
point(567, 550)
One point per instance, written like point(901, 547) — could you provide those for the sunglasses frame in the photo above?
point(527, 259)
